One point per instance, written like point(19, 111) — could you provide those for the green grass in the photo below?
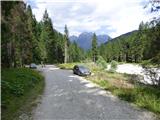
point(68, 66)
point(143, 96)
point(103, 83)
point(20, 87)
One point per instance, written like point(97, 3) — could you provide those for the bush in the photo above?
point(113, 66)
point(101, 62)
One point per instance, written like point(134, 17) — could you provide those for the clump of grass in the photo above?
point(124, 94)
point(103, 83)
point(20, 86)
point(148, 97)
point(144, 96)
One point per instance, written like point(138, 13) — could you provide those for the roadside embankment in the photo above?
point(20, 88)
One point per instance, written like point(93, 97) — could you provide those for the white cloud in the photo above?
point(112, 17)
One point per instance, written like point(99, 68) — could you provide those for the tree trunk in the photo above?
point(65, 53)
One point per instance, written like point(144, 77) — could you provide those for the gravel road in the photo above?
point(69, 97)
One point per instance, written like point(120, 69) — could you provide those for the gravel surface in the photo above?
point(70, 97)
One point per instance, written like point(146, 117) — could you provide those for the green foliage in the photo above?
point(122, 49)
point(143, 96)
point(94, 48)
point(18, 86)
point(24, 40)
point(101, 62)
point(76, 54)
point(135, 46)
point(17, 49)
point(113, 66)
point(152, 49)
point(146, 63)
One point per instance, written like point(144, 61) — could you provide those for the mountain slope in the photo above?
point(122, 36)
point(84, 40)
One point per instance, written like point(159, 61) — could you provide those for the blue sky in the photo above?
point(112, 17)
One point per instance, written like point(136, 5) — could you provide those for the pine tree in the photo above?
point(75, 52)
point(32, 23)
point(6, 41)
point(21, 40)
point(66, 44)
point(94, 48)
point(46, 38)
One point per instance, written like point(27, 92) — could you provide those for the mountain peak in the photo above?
point(84, 40)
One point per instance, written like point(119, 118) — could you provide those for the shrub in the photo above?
point(101, 62)
point(113, 66)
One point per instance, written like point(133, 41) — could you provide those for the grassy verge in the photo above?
point(68, 66)
point(20, 87)
point(125, 87)
point(144, 96)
